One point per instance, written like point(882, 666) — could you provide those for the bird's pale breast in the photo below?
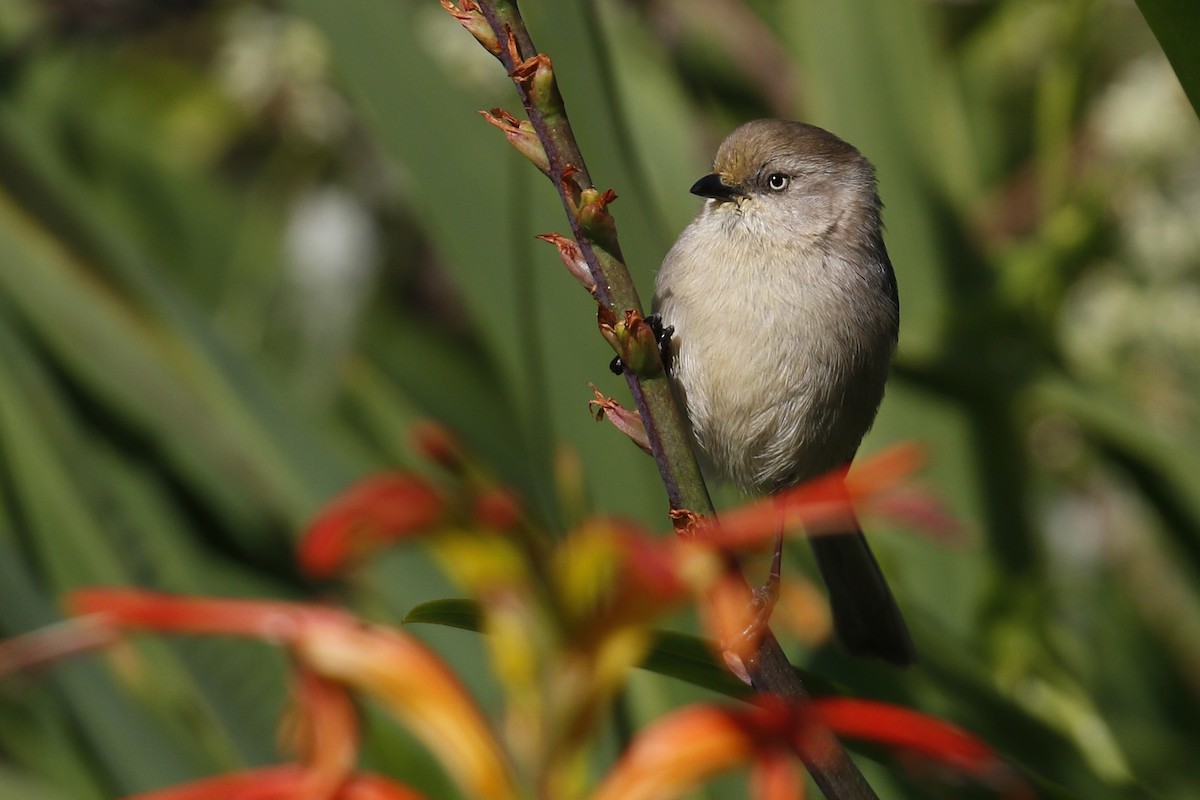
point(780, 378)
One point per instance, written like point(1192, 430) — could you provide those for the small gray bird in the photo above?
point(785, 315)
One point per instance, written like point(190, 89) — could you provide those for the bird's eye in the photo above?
point(777, 181)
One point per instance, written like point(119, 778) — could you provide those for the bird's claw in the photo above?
point(763, 598)
point(662, 335)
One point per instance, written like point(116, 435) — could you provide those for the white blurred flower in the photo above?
point(1098, 319)
point(277, 63)
point(332, 254)
point(1136, 317)
point(1149, 138)
point(1144, 115)
point(461, 59)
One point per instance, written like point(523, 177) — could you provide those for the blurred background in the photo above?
point(244, 245)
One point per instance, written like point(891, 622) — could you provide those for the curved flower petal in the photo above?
point(409, 678)
point(696, 743)
point(271, 783)
point(677, 752)
point(821, 505)
point(169, 613)
point(776, 776)
point(322, 730)
point(421, 691)
point(908, 730)
point(376, 787)
point(373, 512)
point(288, 782)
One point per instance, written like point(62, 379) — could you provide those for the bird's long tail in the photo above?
point(865, 615)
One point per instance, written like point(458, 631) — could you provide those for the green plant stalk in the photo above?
point(670, 440)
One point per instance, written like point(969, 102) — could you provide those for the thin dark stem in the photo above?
point(670, 439)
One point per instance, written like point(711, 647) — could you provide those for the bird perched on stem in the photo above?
point(786, 316)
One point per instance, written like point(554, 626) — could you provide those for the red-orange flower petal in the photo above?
point(288, 782)
point(677, 752)
point(822, 505)
point(733, 619)
point(421, 691)
point(322, 730)
point(376, 787)
point(910, 731)
point(271, 783)
point(373, 512)
point(259, 619)
point(405, 675)
point(884, 470)
point(696, 743)
point(776, 775)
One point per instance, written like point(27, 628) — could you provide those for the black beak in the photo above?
point(712, 186)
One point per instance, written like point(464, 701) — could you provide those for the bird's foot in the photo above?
point(763, 599)
point(662, 335)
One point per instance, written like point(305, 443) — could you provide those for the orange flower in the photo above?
point(818, 506)
point(282, 783)
point(695, 744)
point(677, 752)
point(322, 731)
point(270, 783)
point(406, 676)
point(910, 731)
point(422, 692)
point(382, 509)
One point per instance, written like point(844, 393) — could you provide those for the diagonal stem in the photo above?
point(670, 439)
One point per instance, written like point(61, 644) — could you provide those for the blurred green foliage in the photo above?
point(244, 245)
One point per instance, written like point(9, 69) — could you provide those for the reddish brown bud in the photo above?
point(471, 17)
point(569, 172)
point(496, 509)
point(686, 523)
point(633, 339)
point(435, 442)
point(521, 135)
point(594, 219)
point(510, 42)
point(569, 252)
point(626, 421)
point(571, 188)
point(535, 76)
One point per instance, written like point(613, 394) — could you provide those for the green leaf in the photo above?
point(16, 786)
point(1176, 25)
point(676, 655)
point(452, 612)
